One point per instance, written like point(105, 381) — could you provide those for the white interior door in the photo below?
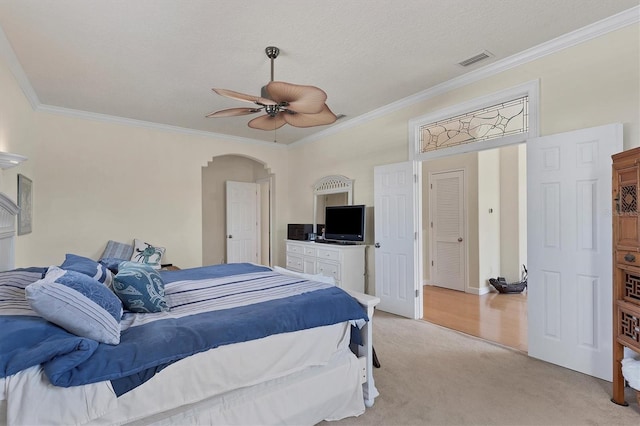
point(569, 248)
point(242, 222)
point(395, 239)
point(448, 242)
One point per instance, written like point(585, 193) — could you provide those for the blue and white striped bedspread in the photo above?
point(205, 313)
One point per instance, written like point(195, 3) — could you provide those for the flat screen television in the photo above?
point(344, 223)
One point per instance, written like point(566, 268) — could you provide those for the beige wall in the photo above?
point(218, 171)
point(513, 188)
point(591, 84)
point(95, 181)
point(489, 215)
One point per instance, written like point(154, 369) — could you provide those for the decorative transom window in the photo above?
point(498, 119)
point(495, 121)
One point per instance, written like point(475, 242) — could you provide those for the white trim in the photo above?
point(597, 29)
point(479, 291)
point(6, 51)
point(146, 124)
point(530, 89)
point(7, 204)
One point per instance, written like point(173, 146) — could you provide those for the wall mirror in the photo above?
point(334, 190)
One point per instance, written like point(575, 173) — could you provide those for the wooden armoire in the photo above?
point(626, 262)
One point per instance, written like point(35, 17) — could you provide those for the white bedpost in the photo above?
point(366, 350)
point(8, 212)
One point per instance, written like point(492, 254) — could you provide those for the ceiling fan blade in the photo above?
point(233, 112)
point(267, 122)
point(302, 99)
point(323, 118)
point(243, 97)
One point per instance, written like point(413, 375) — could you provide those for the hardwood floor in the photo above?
point(500, 318)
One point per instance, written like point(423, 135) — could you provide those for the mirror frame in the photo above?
point(333, 184)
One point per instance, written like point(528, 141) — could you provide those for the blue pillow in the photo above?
point(90, 267)
point(12, 285)
point(112, 263)
point(117, 250)
point(78, 303)
point(140, 288)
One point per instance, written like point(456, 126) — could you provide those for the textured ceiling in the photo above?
point(156, 60)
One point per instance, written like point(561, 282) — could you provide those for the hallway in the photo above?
point(500, 318)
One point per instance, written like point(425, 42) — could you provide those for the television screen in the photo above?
point(344, 223)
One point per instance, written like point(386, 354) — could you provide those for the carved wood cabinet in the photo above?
point(626, 263)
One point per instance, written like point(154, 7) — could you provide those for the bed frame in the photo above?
point(206, 409)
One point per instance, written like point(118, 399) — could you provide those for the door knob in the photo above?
point(230, 236)
point(377, 245)
point(460, 239)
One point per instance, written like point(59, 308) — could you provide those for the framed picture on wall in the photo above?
point(25, 202)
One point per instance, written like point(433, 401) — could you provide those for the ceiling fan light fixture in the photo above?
point(283, 103)
point(268, 122)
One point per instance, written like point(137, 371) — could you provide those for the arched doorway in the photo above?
point(237, 168)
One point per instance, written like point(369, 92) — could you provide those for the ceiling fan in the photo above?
point(283, 103)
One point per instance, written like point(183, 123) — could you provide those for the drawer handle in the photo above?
point(629, 257)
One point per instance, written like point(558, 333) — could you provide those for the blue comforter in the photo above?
point(147, 347)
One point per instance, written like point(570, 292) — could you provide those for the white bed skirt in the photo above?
point(315, 369)
point(330, 392)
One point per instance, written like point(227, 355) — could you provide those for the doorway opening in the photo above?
point(474, 228)
point(215, 175)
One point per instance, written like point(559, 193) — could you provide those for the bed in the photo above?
point(240, 344)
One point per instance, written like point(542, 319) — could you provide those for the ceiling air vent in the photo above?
point(477, 58)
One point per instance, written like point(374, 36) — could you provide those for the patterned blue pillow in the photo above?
point(111, 263)
point(90, 267)
point(12, 285)
point(77, 303)
point(140, 288)
point(149, 254)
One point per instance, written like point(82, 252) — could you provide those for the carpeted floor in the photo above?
point(431, 375)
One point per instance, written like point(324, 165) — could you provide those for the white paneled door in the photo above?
point(242, 222)
point(448, 245)
point(395, 239)
point(569, 248)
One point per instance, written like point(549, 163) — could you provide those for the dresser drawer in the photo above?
point(310, 251)
point(295, 263)
point(625, 257)
point(329, 270)
point(326, 254)
point(295, 248)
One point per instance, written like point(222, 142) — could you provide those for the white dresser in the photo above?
point(345, 263)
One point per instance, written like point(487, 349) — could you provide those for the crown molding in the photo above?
point(597, 29)
point(6, 51)
point(581, 35)
point(106, 118)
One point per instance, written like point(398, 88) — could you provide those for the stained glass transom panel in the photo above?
point(496, 121)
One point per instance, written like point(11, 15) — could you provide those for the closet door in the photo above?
point(242, 222)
